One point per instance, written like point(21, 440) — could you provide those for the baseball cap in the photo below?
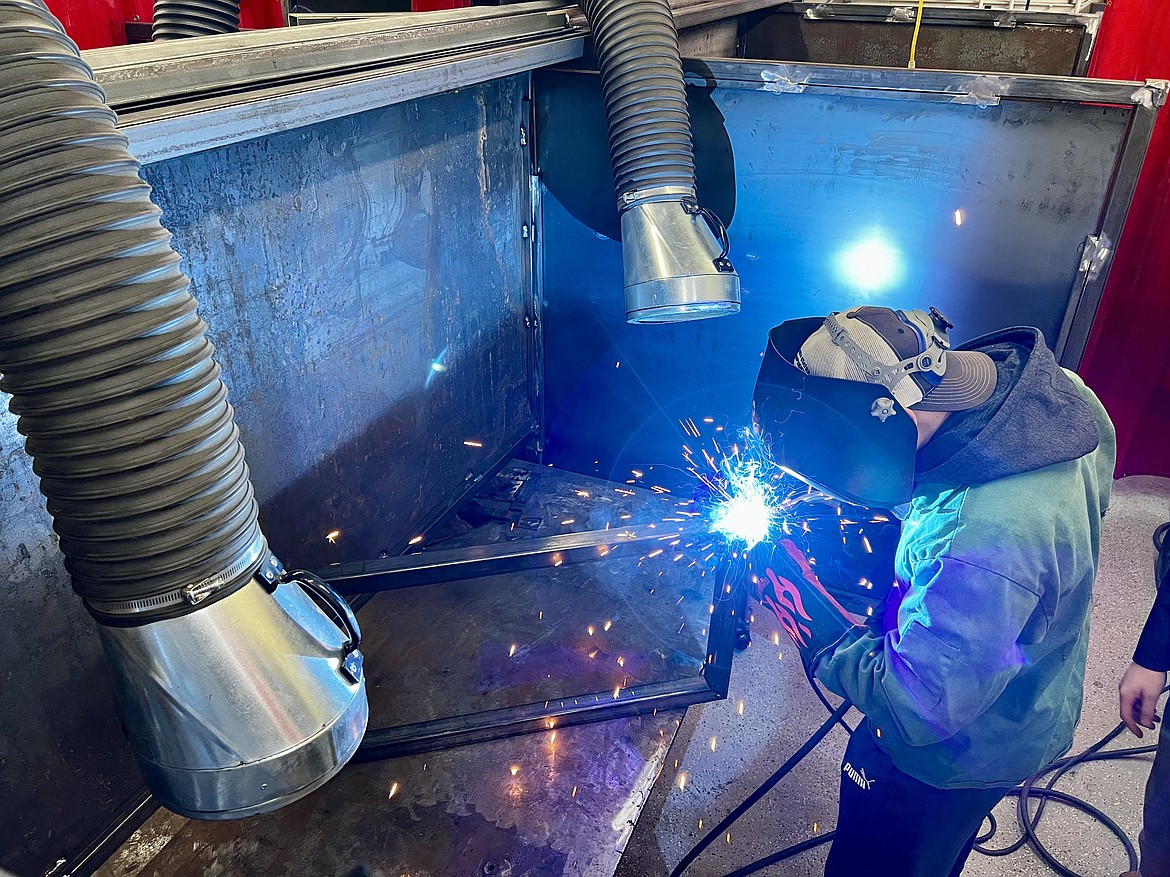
point(907, 351)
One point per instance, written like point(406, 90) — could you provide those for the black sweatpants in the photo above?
point(892, 825)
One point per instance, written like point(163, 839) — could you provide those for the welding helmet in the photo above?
point(851, 436)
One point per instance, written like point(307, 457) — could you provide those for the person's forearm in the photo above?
point(1153, 649)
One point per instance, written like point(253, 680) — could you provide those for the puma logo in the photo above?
point(858, 776)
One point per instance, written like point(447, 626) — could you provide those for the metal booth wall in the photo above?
point(841, 186)
point(367, 283)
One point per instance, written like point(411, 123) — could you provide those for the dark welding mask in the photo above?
point(850, 439)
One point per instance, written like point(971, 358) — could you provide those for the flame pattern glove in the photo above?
point(815, 621)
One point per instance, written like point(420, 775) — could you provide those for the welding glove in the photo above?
point(808, 613)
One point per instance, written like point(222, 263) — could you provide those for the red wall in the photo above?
point(1127, 360)
point(94, 24)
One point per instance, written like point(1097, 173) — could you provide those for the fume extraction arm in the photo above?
point(674, 251)
point(241, 688)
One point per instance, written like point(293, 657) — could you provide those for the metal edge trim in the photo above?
point(750, 74)
point(1087, 293)
point(430, 567)
point(447, 733)
point(196, 131)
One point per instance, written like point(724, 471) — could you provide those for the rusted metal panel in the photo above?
point(719, 39)
point(1024, 48)
point(366, 282)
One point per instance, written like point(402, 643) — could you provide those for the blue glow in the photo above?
point(871, 264)
point(438, 366)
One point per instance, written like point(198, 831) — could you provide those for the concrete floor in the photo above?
point(725, 750)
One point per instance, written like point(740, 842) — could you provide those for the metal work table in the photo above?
point(561, 802)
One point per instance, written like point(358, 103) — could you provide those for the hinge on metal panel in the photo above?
point(1095, 255)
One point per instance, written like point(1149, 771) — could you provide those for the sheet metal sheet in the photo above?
point(366, 285)
point(834, 200)
point(560, 803)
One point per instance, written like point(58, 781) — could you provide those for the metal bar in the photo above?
point(913, 84)
point(210, 124)
point(431, 567)
point(728, 608)
point(695, 14)
point(142, 75)
point(127, 819)
point(1086, 297)
point(537, 302)
point(383, 743)
point(449, 509)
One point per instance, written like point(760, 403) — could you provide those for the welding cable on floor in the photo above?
point(781, 772)
point(1027, 792)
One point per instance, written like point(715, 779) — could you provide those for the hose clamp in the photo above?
point(194, 594)
point(654, 193)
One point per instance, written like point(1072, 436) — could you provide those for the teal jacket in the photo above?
point(978, 682)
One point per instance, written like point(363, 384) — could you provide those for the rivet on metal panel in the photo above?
point(983, 91)
point(783, 79)
point(523, 136)
point(524, 231)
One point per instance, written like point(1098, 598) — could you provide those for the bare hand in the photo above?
point(1139, 690)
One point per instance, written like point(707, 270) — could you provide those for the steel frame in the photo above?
point(984, 89)
point(598, 546)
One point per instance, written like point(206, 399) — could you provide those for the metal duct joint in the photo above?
point(674, 252)
point(241, 688)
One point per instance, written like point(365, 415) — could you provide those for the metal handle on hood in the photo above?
point(340, 613)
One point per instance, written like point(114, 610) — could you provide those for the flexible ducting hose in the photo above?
point(176, 19)
point(110, 372)
point(674, 251)
point(241, 689)
point(645, 101)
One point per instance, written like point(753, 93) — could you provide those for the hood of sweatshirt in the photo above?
point(1035, 418)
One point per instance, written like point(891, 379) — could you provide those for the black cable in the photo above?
point(786, 853)
point(1027, 791)
point(816, 687)
point(765, 787)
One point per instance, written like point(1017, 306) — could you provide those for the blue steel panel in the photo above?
point(366, 285)
point(838, 201)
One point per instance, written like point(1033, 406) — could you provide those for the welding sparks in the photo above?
point(472, 443)
point(749, 512)
point(332, 536)
point(749, 492)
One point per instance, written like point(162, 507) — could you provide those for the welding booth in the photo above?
point(403, 236)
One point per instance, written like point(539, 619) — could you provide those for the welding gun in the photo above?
point(809, 614)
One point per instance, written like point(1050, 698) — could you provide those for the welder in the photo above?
point(999, 463)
